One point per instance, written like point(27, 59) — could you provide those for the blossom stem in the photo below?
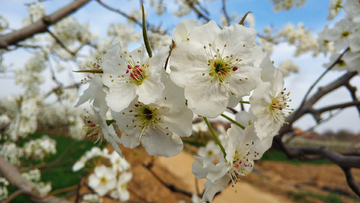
point(146, 39)
point(215, 137)
point(233, 121)
point(244, 102)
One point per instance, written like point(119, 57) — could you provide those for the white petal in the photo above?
point(205, 34)
point(235, 37)
point(157, 143)
point(206, 98)
point(213, 188)
point(120, 97)
point(182, 30)
point(187, 59)
point(150, 90)
point(179, 123)
point(245, 86)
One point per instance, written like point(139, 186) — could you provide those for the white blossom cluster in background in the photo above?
point(287, 4)
point(105, 179)
point(36, 149)
point(344, 34)
point(3, 189)
point(35, 177)
point(208, 73)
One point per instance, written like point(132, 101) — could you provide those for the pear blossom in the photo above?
point(118, 163)
point(183, 29)
point(243, 147)
point(341, 65)
point(121, 191)
point(269, 101)
point(334, 8)
point(352, 9)
point(133, 74)
point(209, 152)
point(3, 189)
point(92, 198)
point(340, 33)
point(215, 65)
point(158, 125)
point(102, 180)
point(200, 127)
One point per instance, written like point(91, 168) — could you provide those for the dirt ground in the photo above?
point(167, 179)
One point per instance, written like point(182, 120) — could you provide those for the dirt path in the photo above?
point(246, 193)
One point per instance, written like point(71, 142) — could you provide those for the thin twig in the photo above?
point(13, 195)
point(120, 12)
point(225, 13)
point(39, 26)
point(60, 43)
point(321, 76)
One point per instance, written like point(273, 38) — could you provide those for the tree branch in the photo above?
point(28, 188)
point(351, 181)
point(120, 12)
point(41, 25)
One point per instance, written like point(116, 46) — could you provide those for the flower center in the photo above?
point(221, 66)
point(279, 106)
point(136, 73)
point(145, 116)
point(103, 180)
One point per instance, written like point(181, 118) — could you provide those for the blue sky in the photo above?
point(312, 15)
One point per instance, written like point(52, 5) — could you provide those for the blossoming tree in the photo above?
point(150, 94)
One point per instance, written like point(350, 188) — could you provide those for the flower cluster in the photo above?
point(345, 34)
point(35, 176)
point(208, 73)
point(3, 189)
point(104, 178)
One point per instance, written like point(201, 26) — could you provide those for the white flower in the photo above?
point(121, 191)
point(102, 180)
point(341, 65)
point(352, 9)
point(210, 152)
point(158, 125)
point(118, 163)
point(214, 65)
point(269, 102)
point(92, 198)
point(79, 164)
point(200, 127)
point(183, 29)
point(340, 33)
point(334, 8)
point(243, 147)
point(286, 67)
point(133, 74)
point(352, 60)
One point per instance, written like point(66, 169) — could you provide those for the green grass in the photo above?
point(279, 156)
point(61, 175)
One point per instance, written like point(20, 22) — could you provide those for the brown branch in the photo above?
point(28, 188)
point(120, 12)
point(199, 14)
point(322, 75)
point(225, 13)
point(338, 106)
point(307, 106)
point(61, 43)
point(41, 25)
point(352, 91)
point(13, 195)
point(351, 181)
